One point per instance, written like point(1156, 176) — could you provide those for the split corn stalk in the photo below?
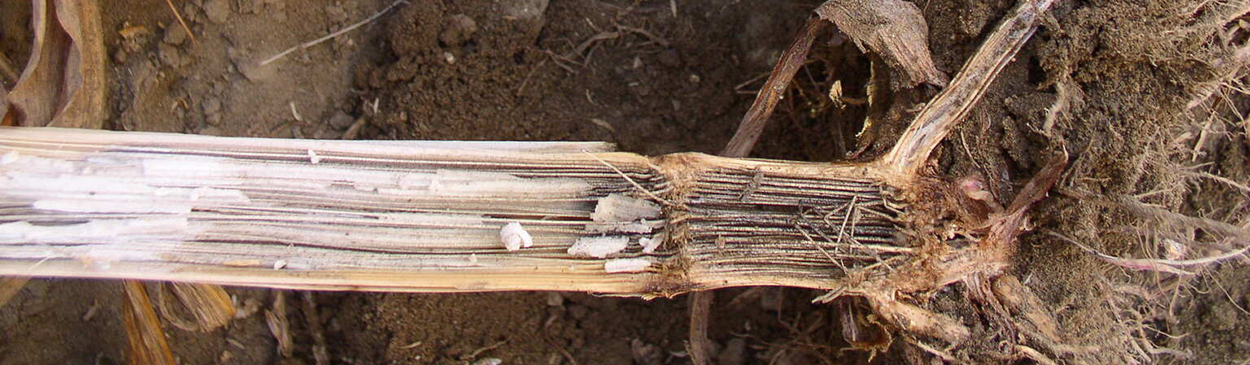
point(428, 216)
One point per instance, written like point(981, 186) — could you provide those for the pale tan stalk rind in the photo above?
point(427, 216)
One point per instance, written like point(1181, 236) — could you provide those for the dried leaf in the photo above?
point(894, 29)
point(63, 83)
point(279, 326)
point(209, 306)
point(143, 328)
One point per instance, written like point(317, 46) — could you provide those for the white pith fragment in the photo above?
point(514, 237)
point(649, 244)
point(598, 247)
point(623, 208)
point(8, 158)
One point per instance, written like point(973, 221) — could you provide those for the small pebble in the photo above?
point(734, 352)
point(645, 353)
point(212, 106)
point(554, 299)
point(457, 29)
point(170, 55)
point(175, 34)
point(218, 11)
point(341, 120)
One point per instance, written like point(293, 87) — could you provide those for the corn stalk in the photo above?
point(432, 216)
point(426, 216)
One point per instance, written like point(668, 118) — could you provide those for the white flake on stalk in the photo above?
point(598, 247)
point(649, 244)
point(9, 158)
point(514, 237)
point(278, 265)
point(623, 208)
point(312, 157)
point(626, 265)
point(415, 180)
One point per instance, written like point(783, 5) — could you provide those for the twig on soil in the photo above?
point(473, 355)
point(279, 326)
point(586, 44)
point(1067, 96)
point(654, 38)
point(354, 131)
point(753, 122)
point(932, 350)
point(181, 22)
point(340, 32)
point(1229, 296)
point(91, 311)
point(320, 351)
point(6, 69)
point(565, 353)
point(1035, 355)
point(521, 90)
point(555, 58)
point(295, 113)
point(700, 313)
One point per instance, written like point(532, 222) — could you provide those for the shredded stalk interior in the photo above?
point(427, 216)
